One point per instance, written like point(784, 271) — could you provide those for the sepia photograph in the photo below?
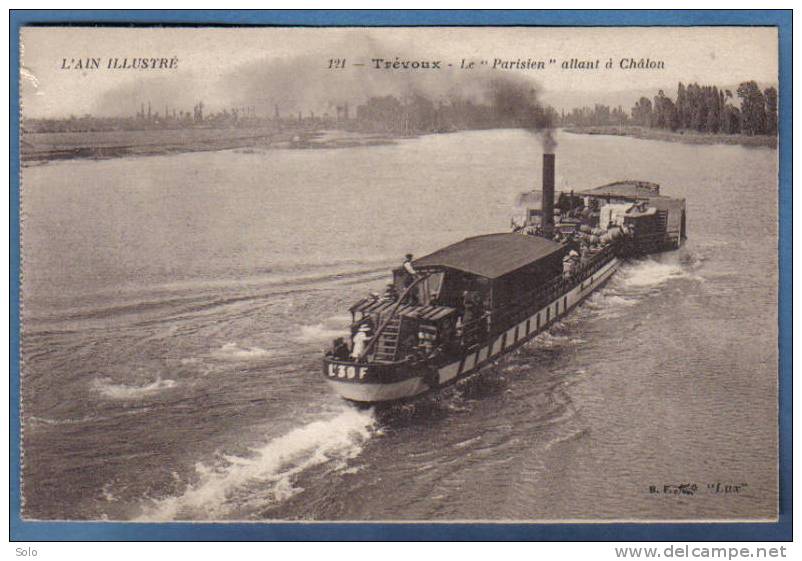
point(486, 274)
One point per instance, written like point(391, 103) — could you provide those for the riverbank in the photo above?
point(687, 137)
point(44, 147)
point(98, 145)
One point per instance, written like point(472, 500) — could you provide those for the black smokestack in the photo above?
point(548, 194)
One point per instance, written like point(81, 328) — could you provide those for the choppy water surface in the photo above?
point(175, 309)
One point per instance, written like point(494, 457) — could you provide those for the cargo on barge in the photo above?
point(449, 313)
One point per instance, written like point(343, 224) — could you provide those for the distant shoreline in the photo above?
point(37, 148)
point(687, 137)
point(102, 145)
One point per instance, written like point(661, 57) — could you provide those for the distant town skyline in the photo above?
point(292, 67)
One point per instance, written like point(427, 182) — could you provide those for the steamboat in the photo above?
point(446, 315)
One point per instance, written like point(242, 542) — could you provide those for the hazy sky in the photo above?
point(289, 66)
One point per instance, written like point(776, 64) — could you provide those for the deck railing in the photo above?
point(537, 298)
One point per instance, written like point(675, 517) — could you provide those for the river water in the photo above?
point(175, 309)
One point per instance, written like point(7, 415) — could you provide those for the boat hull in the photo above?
point(380, 392)
point(373, 383)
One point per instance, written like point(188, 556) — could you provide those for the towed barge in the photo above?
point(450, 313)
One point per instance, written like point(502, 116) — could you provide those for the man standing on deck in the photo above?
point(410, 274)
point(409, 269)
point(360, 342)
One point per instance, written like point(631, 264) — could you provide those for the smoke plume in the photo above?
point(305, 84)
point(517, 100)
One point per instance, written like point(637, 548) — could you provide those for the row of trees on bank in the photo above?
point(708, 109)
point(598, 115)
point(711, 110)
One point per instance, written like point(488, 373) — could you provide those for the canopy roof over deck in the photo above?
point(491, 256)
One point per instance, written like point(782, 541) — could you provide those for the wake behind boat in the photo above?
point(449, 313)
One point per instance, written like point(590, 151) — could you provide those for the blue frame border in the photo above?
point(20, 530)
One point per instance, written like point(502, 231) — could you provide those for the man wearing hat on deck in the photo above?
point(410, 274)
point(409, 269)
point(360, 341)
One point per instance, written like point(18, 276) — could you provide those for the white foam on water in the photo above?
point(267, 475)
point(353, 470)
point(648, 273)
point(107, 388)
point(47, 421)
point(551, 339)
point(615, 300)
point(233, 351)
point(323, 332)
point(607, 304)
point(468, 442)
point(319, 333)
